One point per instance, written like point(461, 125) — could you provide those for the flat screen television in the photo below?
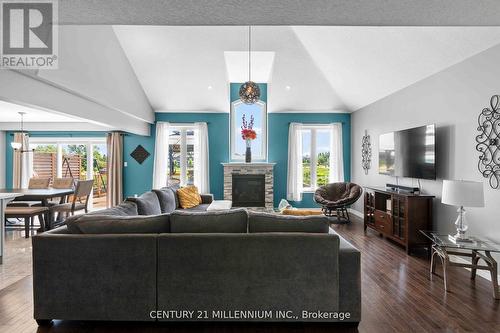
point(408, 153)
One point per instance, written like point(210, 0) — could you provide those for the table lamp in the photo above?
point(462, 193)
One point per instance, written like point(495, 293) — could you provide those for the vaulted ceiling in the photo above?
point(311, 69)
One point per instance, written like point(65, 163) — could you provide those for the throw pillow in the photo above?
point(147, 203)
point(189, 197)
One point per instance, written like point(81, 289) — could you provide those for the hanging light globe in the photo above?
point(249, 92)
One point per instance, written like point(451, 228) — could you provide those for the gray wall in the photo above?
point(452, 99)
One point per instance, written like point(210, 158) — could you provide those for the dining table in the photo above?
point(24, 194)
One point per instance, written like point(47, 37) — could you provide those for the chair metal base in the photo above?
point(339, 212)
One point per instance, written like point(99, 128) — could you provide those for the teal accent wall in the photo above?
point(138, 178)
point(40, 134)
point(278, 124)
point(234, 94)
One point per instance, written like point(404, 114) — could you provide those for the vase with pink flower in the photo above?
point(248, 134)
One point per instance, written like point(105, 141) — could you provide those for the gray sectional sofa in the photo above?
point(235, 265)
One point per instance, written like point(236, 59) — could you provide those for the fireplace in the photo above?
point(252, 182)
point(249, 190)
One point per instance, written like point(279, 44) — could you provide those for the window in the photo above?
point(316, 141)
point(259, 145)
point(181, 148)
point(71, 157)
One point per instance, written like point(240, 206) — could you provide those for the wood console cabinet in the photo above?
point(398, 216)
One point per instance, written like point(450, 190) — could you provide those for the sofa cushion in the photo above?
point(199, 208)
point(105, 224)
point(264, 222)
point(189, 197)
point(166, 197)
point(124, 209)
point(232, 221)
point(147, 203)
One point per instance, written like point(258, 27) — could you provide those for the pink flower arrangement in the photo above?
point(247, 132)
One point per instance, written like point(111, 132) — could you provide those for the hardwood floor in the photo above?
point(398, 296)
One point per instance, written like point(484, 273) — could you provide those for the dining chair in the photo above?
point(29, 214)
point(80, 200)
point(33, 184)
point(62, 183)
point(38, 183)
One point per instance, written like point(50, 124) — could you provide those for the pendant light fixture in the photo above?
point(19, 146)
point(249, 91)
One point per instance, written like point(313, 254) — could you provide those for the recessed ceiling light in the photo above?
point(209, 88)
point(288, 88)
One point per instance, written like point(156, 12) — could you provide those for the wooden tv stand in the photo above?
point(398, 216)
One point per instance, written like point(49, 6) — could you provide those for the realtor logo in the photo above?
point(28, 34)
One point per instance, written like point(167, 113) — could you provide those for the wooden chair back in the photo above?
point(38, 183)
point(63, 183)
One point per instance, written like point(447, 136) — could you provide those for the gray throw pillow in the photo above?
point(124, 209)
point(105, 224)
point(263, 222)
point(167, 199)
point(147, 203)
point(231, 221)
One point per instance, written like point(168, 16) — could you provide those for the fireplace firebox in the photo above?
point(249, 190)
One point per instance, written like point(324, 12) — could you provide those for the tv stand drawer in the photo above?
point(383, 221)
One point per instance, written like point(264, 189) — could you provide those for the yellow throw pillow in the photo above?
point(189, 197)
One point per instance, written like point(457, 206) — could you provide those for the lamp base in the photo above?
point(460, 238)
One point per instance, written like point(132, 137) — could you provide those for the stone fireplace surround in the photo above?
point(256, 168)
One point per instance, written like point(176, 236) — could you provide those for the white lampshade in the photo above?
point(16, 145)
point(463, 193)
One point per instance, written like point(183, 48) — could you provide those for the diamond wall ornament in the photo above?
point(140, 154)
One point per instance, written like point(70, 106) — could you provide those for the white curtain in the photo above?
point(160, 168)
point(201, 159)
point(295, 175)
point(23, 162)
point(336, 154)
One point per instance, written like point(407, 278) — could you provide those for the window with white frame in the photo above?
point(181, 155)
point(258, 111)
point(315, 156)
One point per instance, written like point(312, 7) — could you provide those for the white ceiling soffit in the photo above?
point(9, 112)
point(184, 68)
point(282, 12)
point(314, 68)
point(365, 64)
point(237, 66)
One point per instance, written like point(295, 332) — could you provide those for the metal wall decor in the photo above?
point(488, 142)
point(366, 152)
point(140, 154)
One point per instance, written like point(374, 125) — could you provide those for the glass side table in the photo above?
point(478, 249)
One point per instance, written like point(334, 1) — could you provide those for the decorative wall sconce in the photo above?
point(366, 152)
point(488, 142)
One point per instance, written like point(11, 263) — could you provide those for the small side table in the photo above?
point(478, 249)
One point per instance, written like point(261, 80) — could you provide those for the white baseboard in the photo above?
point(482, 273)
point(356, 213)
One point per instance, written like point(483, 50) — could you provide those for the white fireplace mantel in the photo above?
point(250, 165)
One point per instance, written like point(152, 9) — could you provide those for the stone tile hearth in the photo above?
point(257, 168)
